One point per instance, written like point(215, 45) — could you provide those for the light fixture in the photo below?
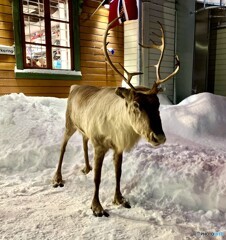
point(106, 4)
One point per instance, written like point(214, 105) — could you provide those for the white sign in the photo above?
point(7, 50)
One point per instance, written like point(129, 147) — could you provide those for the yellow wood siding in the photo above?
point(94, 69)
point(131, 48)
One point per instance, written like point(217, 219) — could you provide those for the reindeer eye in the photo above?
point(136, 104)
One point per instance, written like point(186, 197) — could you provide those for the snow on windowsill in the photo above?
point(49, 71)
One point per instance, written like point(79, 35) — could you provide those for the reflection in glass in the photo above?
point(35, 56)
point(33, 7)
point(61, 58)
point(59, 10)
point(60, 34)
point(34, 29)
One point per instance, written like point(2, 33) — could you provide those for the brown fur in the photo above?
point(111, 119)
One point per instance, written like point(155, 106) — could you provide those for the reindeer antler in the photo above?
point(161, 48)
point(129, 74)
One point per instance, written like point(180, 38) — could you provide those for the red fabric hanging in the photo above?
point(127, 9)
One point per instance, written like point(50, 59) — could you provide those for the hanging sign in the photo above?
point(7, 50)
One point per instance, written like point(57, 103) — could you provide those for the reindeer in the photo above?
point(113, 119)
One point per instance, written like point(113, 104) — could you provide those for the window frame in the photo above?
point(42, 73)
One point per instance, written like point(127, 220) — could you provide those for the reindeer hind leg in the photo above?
point(87, 167)
point(96, 206)
point(57, 179)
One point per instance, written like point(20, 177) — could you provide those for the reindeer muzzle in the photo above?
point(157, 139)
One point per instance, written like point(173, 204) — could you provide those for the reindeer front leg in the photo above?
point(98, 210)
point(57, 179)
point(118, 198)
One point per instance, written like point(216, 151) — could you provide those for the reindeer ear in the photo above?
point(122, 92)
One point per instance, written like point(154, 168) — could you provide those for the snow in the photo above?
point(47, 71)
point(177, 190)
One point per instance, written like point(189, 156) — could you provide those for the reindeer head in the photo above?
point(143, 112)
point(142, 104)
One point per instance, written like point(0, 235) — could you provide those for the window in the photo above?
point(213, 2)
point(46, 37)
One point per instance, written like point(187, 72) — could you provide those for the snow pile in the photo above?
point(27, 126)
point(175, 190)
point(175, 174)
point(200, 116)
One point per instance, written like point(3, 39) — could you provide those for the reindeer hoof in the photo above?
point(55, 185)
point(98, 210)
point(122, 201)
point(57, 181)
point(101, 213)
point(86, 170)
point(126, 204)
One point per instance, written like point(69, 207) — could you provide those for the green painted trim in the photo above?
point(45, 76)
point(80, 6)
point(76, 35)
point(17, 34)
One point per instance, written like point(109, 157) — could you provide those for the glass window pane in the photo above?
point(59, 10)
point(33, 7)
point(213, 2)
point(61, 58)
point(35, 56)
point(34, 29)
point(60, 34)
point(42, 42)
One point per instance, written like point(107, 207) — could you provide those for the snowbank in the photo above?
point(200, 117)
point(175, 190)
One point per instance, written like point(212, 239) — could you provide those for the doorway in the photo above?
point(209, 66)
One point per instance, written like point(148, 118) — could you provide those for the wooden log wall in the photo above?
point(94, 69)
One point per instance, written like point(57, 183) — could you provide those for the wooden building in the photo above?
point(94, 70)
point(186, 24)
point(91, 62)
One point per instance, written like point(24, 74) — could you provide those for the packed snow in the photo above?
point(177, 190)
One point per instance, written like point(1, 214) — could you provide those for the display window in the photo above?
point(47, 34)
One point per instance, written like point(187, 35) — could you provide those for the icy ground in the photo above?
point(177, 191)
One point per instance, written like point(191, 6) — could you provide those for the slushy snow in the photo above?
point(177, 190)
